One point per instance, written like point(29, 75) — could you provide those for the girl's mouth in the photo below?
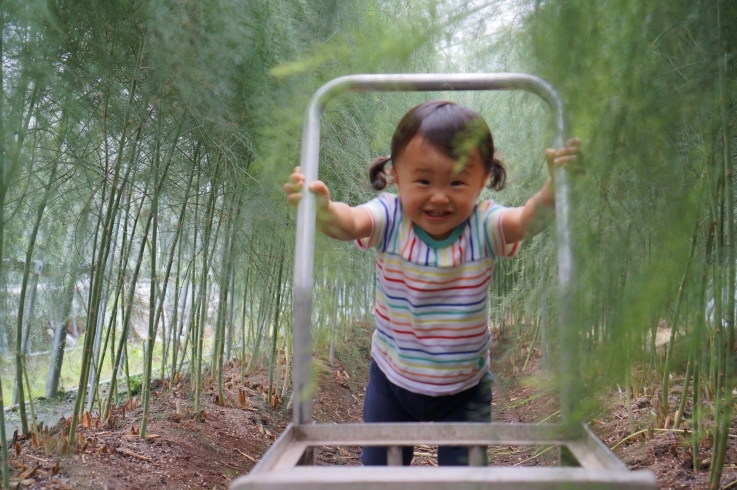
point(437, 214)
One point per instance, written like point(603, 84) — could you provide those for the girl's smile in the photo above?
point(435, 194)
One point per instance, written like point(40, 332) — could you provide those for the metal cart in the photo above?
point(585, 461)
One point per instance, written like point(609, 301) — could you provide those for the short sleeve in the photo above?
point(495, 240)
point(383, 210)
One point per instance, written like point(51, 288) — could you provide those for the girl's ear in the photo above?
point(486, 181)
point(392, 174)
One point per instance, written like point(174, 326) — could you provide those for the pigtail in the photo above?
point(377, 173)
point(498, 173)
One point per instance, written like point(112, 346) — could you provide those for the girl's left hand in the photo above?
point(562, 156)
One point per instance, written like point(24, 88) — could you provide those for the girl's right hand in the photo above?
point(335, 219)
point(293, 188)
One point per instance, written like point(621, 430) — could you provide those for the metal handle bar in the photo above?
point(304, 250)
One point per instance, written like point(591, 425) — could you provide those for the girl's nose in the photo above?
point(439, 197)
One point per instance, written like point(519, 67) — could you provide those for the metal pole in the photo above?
point(304, 251)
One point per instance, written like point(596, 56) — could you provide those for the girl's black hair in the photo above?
point(452, 129)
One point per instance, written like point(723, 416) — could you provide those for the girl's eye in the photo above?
point(456, 183)
point(423, 181)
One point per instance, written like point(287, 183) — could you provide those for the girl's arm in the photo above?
point(532, 218)
point(335, 219)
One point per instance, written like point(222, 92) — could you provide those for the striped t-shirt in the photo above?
point(432, 335)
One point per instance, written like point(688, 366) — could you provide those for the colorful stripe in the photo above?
point(431, 310)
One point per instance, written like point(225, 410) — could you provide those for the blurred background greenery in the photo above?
point(143, 144)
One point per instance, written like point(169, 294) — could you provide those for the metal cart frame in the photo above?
point(288, 463)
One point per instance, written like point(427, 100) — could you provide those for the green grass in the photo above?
point(38, 367)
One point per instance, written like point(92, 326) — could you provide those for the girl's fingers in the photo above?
point(321, 191)
point(293, 189)
point(318, 187)
point(290, 188)
point(564, 155)
point(562, 160)
point(293, 199)
point(550, 155)
point(297, 178)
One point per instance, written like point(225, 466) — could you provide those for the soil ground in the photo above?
point(183, 452)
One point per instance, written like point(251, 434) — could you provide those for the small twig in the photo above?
point(40, 460)
point(729, 485)
point(534, 456)
point(549, 417)
point(246, 456)
point(135, 455)
point(29, 472)
point(679, 431)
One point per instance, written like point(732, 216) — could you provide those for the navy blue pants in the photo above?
point(387, 402)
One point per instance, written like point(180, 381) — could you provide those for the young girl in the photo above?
point(436, 244)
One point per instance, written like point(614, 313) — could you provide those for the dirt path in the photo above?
point(182, 452)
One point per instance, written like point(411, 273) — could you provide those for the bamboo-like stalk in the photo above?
point(151, 337)
point(334, 323)
point(192, 328)
point(194, 301)
point(243, 324)
point(20, 355)
point(172, 247)
point(665, 409)
point(684, 395)
point(197, 359)
point(179, 317)
point(275, 327)
point(287, 356)
point(96, 365)
point(226, 274)
point(697, 347)
point(231, 309)
point(96, 283)
point(26, 270)
point(4, 170)
point(125, 252)
point(724, 418)
point(628, 389)
point(127, 317)
point(34, 427)
point(264, 307)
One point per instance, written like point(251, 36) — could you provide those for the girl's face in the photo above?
point(436, 198)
